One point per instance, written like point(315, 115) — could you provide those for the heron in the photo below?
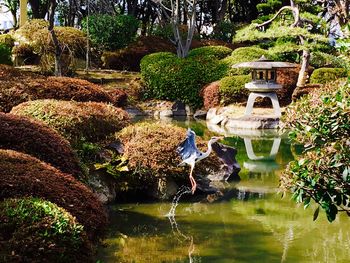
point(191, 155)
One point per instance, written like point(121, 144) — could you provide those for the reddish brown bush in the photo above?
point(288, 79)
point(23, 175)
point(211, 95)
point(151, 150)
point(76, 121)
point(119, 96)
point(17, 87)
point(129, 58)
point(21, 134)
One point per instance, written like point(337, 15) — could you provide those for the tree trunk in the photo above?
point(303, 73)
point(58, 65)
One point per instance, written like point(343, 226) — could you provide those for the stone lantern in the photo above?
point(263, 84)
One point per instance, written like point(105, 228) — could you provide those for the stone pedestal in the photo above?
point(271, 95)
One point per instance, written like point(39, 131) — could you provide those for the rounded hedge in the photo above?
point(232, 89)
point(17, 86)
point(171, 78)
point(24, 135)
point(76, 121)
point(143, 143)
point(23, 175)
point(326, 75)
point(218, 52)
point(33, 229)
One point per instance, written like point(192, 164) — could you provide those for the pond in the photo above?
point(253, 224)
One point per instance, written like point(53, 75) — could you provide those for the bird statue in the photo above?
point(191, 155)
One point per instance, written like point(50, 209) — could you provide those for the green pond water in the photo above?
point(253, 224)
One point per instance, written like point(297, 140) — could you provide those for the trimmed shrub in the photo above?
point(326, 75)
point(129, 58)
point(25, 54)
point(21, 134)
point(17, 86)
point(111, 32)
point(171, 78)
point(23, 175)
point(244, 54)
point(143, 143)
point(33, 229)
point(232, 89)
point(5, 54)
point(218, 52)
point(30, 28)
point(76, 121)
point(211, 95)
point(7, 39)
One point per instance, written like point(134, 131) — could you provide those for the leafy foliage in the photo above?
point(215, 52)
point(7, 39)
point(321, 122)
point(320, 59)
point(111, 32)
point(35, 228)
point(326, 75)
point(172, 78)
point(23, 175)
point(232, 89)
point(5, 54)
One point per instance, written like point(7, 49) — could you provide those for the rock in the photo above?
point(179, 109)
point(164, 190)
point(133, 112)
point(253, 122)
point(103, 185)
point(189, 111)
point(200, 114)
point(165, 113)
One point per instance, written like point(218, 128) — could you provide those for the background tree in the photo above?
point(12, 6)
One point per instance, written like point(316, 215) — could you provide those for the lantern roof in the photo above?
point(264, 63)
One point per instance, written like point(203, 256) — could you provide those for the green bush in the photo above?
point(244, 54)
point(232, 89)
point(224, 30)
point(320, 59)
point(322, 123)
point(326, 75)
point(111, 32)
point(168, 77)
point(7, 39)
point(36, 229)
point(5, 54)
point(218, 52)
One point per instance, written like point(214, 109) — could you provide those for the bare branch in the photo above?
point(294, 10)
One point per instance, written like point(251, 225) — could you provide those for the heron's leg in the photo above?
point(193, 182)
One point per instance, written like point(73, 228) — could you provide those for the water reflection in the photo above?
point(251, 224)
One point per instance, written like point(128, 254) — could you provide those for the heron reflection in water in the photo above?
point(191, 155)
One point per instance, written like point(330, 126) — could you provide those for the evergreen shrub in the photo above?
point(326, 75)
point(218, 52)
point(168, 77)
point(111, 32)
point(232, 89)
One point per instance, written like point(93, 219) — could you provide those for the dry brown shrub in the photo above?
point(151, 150)
point(211, 95)
point(24, 135)
point(17, 87)
point(91, 121)
point(23, 175)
